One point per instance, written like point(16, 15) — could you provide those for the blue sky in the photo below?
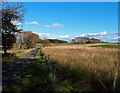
point(64, 0)
point(66, 20)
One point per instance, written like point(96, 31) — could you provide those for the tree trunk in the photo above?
point(5, 50)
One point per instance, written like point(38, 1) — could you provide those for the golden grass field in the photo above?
point(93, 67)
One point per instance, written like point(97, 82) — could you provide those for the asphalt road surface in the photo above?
point(11, 70)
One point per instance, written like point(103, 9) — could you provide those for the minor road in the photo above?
point(11, 70)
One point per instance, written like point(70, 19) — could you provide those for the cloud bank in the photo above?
point(94, 34)
point(48, 36)
point(104, 36)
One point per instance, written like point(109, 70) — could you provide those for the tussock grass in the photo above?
point(85, 68)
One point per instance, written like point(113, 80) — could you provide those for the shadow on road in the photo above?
point(11, 70)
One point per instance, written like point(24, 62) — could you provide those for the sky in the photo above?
point(64, 0)
point(67, 20)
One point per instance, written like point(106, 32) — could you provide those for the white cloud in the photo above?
point(65, 36)
point(94, 34)
point(103, 33)
point(104, 36)
point(57, 25)
point(46, 26)
point(82, 35)
point(15, 22)
point(31, 23)
point(48, 36)
point(115, 32)
point(116, 38)
point(44, 35)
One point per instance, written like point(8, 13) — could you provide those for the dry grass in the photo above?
point(17, 51)
point(14, 55)
point(93, 63)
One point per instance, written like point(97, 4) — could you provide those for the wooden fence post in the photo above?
point(116, 75)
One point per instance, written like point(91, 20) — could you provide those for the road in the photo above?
point(11, 70)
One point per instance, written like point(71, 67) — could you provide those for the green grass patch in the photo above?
point(65, 44)
point(107, 46)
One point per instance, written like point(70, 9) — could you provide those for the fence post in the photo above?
point(116, 75)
